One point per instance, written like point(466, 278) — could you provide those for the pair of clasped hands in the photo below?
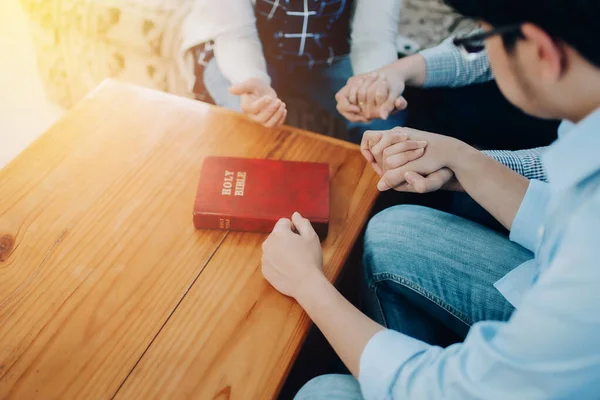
point(394, 154)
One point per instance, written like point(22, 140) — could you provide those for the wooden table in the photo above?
point(106, 288)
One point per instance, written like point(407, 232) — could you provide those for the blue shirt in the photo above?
point(550, 347)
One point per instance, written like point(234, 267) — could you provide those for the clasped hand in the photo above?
point(369, 96)
point(409, 160)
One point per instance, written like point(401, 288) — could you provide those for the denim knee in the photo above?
point(397, 227)
point(330, 387)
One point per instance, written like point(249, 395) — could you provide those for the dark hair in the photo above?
point(574, 22)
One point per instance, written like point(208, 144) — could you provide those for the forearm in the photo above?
point(240, 57)
point(494, 186)
point(374, 33)
point(412, 70)
point(345, 327)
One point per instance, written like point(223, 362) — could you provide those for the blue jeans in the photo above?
point(428, 274)
point(318, 85)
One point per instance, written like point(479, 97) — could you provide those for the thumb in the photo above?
point(386, 109)
point(283, 225)
point(431, 183)
point(401, 103)
point(303, 226)
point(242, 88)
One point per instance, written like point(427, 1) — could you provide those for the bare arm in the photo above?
point(345, 327)
point(494, 186)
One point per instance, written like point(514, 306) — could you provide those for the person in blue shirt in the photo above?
point(527, 307)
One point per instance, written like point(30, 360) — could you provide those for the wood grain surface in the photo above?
point(106, 288)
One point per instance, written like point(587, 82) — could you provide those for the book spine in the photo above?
point(228, 223)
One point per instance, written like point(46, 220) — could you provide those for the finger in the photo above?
point(354, 85)
point(410, 151)
point(267, 112)
point(391, 179)
point(283, 225)
point(372, 111)
point(243, 88)
point(399, 160)
point(342, 94)
point(403, 146)
point(369, 139)
point(431, 182)
point(404, 187)
point(276, 116)
point(343, 104)
point(400, 103)
point(377, 168)
point(303, 226)
point(391, 137)
point(380, 93)
point(348, 109)
point(389, 104)
point(355, 118)
point(361, 95)
point(257, 106)
point(282, 119)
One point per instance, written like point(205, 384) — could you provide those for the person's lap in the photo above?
point(442, 264)
point(430, 275)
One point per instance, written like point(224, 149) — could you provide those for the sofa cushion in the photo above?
point(148, 26)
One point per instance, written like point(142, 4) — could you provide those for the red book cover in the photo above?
point(242, 194)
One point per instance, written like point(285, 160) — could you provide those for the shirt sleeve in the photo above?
point(447, 67)
point(525, 162)
point(374, 34)
point(548, 348)
point(238, 50)
point(526, 226)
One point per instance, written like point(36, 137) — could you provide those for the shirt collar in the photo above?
point(576, 154)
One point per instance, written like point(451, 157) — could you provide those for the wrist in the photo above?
point(459, 157)
point(311, 288)
point(411, 70)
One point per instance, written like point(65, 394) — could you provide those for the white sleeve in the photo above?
point(238, 50)
point(374, 34)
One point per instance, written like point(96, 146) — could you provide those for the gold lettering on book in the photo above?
point(227, 183)
point(240, 184)
point(224, 223)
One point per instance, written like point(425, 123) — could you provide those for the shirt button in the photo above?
point(541, 231)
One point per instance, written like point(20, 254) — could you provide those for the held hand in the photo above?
point(428, 172)
point(441, 179)
point(291, 260)
point(375, 145)
point(260, 102)
point(369, 96)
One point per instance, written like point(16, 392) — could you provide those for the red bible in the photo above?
point(242, 194)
